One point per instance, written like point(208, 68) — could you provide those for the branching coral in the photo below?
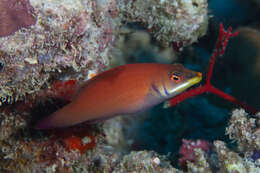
point(223, 39)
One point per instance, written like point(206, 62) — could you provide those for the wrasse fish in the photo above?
point(122, 90)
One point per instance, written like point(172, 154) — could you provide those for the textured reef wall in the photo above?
point(88, 149)
point(66, 40)
point(43, 41)
point(176, 21)
point(48, 47)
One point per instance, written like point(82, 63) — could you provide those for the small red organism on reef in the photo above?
point(80, 138)
point(187, 150)
point(73, 143)
point(177, 46)
point(78, 143)
point(221, 45)
point(64, 90)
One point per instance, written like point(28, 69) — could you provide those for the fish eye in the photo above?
point(175, 77)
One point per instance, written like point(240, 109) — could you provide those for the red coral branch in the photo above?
point(221, 45)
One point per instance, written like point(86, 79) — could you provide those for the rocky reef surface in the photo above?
point(42, 40)
point(47, 48)
point(106, 148)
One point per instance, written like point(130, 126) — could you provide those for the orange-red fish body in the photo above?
point(122, 90)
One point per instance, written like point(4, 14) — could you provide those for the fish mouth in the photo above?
point(192, 81)
point(196, 79)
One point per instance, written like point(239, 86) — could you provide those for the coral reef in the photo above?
point(144, 161)
point(94, 149)
point(79, 149)
point(138, 46)
point(230, 161)
point(176, 21)
point(187, 150)
point(245, 131)
point(11, 122)
point(221, 45)
point(242, 129)
point(68, 39)
point(56, 40)
point(62, 43)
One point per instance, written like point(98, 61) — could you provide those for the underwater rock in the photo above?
point(245, 131)
point(138, 46)
point(144, 161)
point(230, 161)
point(170, 21)
point(200, 164)
point(71, 39)
point(68, 39)
point(187, 150)
point(242, 129)
point(26, 150)
point(113, 130)
point(10, 122)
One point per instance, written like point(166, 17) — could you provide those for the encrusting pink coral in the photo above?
point(187, 150)
point(15, 14)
